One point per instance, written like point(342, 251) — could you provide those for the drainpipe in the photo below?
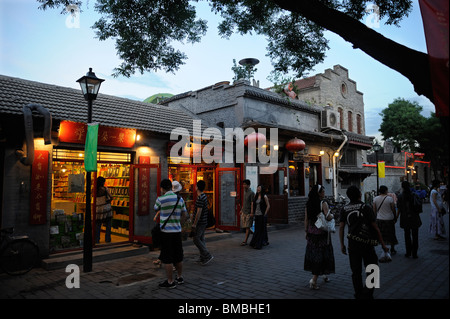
point(28, 121)
point(335, 181)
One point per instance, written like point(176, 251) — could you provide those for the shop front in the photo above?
point(133, 187)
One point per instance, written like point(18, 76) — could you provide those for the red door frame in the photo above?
point(132, 237)
point(237, 206)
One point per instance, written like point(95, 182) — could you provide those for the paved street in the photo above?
point(275, 272)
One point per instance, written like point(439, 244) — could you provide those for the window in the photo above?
point(350, 122)
point(341, 117)
point(358, 124)
point(296, 179)
point(349, 158)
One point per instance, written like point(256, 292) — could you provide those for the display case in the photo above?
point(117, 178)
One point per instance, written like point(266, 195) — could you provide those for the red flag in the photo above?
point(435, 22)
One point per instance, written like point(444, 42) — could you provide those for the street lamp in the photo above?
point(376, 147)
point(90, 85)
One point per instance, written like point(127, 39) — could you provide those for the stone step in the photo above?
point(103, 253)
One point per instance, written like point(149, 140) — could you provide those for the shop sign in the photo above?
point(38, 189)
point(305, 157)
point(144, 187)
point(74, 132)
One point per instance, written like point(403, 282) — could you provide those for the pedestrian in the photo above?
point(409, 220)
point(199, 223)
point(319, 256)
point(103, 213)
point(386, 214)
point(363, 235)
point(261, 208)
point(437, 227)
point(247, 210)
point(176, 188)
point(170, 205)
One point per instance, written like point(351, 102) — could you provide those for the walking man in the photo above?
point(171, 243)
point(199, 223)
point(363, 235)
point(247, 210)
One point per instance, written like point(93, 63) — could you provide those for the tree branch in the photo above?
point(411, 63)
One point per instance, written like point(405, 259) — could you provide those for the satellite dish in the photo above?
point(249, 61)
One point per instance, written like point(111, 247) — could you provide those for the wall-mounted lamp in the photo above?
point(321, 153)
point(336, 154)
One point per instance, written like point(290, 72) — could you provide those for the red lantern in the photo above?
point(295, 145)
point(256, 137)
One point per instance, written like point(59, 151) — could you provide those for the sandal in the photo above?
point(243, 243)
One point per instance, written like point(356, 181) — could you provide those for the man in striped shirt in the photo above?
point(171, 243)
point(199, 223)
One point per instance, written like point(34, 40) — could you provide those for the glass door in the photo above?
point(144, 189)
point(228, 198)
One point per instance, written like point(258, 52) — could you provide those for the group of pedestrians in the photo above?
point(368, 226)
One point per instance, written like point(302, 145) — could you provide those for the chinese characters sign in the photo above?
point(73, 132)
point(39, 182)
point(144, 187)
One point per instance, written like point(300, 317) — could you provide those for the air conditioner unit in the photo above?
point(330, 120)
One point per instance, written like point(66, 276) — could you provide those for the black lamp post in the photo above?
point(376, 147)
point(90, 85)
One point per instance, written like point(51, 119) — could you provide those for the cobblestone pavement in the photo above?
point(240, 272)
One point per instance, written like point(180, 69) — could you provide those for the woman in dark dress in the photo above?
point(261, 207)
point(319, 257)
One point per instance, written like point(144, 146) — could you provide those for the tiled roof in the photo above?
point(69, 104)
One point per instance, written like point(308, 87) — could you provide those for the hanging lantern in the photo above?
point(256, 137)
point(295, 145)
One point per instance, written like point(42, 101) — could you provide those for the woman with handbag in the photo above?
point(103, 210)
point(437, 227)
point(319, 256)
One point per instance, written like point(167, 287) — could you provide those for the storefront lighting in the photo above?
point(275, 147)
point(321, 153)
point(336, 154)
point(138, 137)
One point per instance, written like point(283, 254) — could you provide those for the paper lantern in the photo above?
point(295, 145)
point(258, 138)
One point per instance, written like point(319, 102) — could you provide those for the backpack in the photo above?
point(417, 204)
point(360, 229)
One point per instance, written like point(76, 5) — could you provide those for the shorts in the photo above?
point(171, 248)
point(246, 220)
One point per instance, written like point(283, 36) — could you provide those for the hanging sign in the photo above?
point(38, 189)
point(144, 187)
point(74, 132)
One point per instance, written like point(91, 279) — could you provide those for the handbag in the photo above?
point(156, 230)
point(323, 224)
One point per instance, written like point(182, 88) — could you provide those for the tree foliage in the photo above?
point(402, 123)
point(144, 30)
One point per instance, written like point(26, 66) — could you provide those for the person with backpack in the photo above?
point(409, 209)
point(363, 235)
point(200, 222)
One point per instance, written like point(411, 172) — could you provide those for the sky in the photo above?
point(50, 47)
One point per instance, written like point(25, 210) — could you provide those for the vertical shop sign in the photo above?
point(38, 190)
point(144, 187)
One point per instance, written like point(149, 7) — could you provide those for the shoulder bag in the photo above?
point(156, 230)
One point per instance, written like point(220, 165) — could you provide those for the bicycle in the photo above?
point(336, 206)
point(18, 254)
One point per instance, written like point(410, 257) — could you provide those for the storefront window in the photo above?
point(68, 204)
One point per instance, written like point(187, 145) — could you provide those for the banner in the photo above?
point(435, 22)
point(381, 170)
point(90, 148)
point(38, 189)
